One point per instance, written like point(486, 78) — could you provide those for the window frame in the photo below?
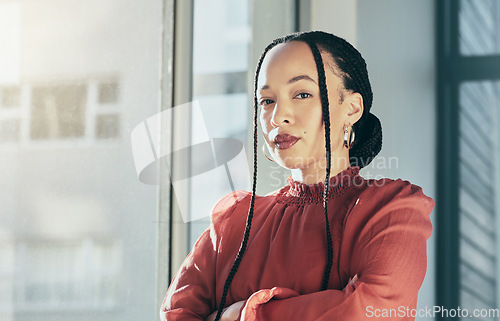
point(452, 70)
point(164, 206)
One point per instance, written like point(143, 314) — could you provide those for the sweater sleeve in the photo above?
point(384, 243)
point(191, 295)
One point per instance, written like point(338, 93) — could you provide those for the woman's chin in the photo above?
point(293, 162)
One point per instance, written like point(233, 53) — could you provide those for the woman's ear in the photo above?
point(355, 107)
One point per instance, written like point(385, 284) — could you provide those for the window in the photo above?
point(107, 126)
point(108, 92)
point(469, 154)
point(10, 97)
point(227, 41)
point(58, 112)
point(220, 73)
point(10, 105)
point(479, 115)
point(85, 111)
point(478, 27)
point(77, 227)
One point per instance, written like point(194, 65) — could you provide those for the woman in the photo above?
point(348, 248)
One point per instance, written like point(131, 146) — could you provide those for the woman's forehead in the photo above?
point(289, 60)
point(293, 53)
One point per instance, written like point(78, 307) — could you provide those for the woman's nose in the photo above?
point(282, 114)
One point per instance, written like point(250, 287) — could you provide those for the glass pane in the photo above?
point(10, 97)
point(479, 27)
point(58, 111)
point(108, 126)
point(220, 73)
point(77, 227)
point(108, 93)
point(479, 189)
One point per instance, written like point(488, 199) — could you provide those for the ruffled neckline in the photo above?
point(301, 193)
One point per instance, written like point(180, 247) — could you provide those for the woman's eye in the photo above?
point(303, 95)
point(265, 102)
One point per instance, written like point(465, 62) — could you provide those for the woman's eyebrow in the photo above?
point(291, 81)
point(297, 78)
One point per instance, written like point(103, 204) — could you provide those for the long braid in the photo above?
point(248, 226)
point(325, 106)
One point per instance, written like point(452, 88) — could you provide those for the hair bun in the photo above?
point(368, 142)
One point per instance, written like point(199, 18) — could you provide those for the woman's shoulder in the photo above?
point(387, 195)
point(234, 206)
point(388, 189)
point(228, 203)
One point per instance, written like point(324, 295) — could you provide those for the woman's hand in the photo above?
point(231, 313)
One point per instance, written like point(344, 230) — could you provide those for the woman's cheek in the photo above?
point(265, 122)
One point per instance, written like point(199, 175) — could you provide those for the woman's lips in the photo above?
point(285, 141)
point(286, 144)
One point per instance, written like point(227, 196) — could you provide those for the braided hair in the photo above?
point(350, 67)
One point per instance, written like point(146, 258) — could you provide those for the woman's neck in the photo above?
point(316, 172)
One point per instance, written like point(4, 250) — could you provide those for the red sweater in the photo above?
point(379, 232)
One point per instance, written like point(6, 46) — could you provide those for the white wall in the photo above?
point(396, 38)
point(336, 16)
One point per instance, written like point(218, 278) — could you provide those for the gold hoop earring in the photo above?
point(264, 151)
point(348, 137)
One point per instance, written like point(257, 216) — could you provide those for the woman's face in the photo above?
point(290, 107)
